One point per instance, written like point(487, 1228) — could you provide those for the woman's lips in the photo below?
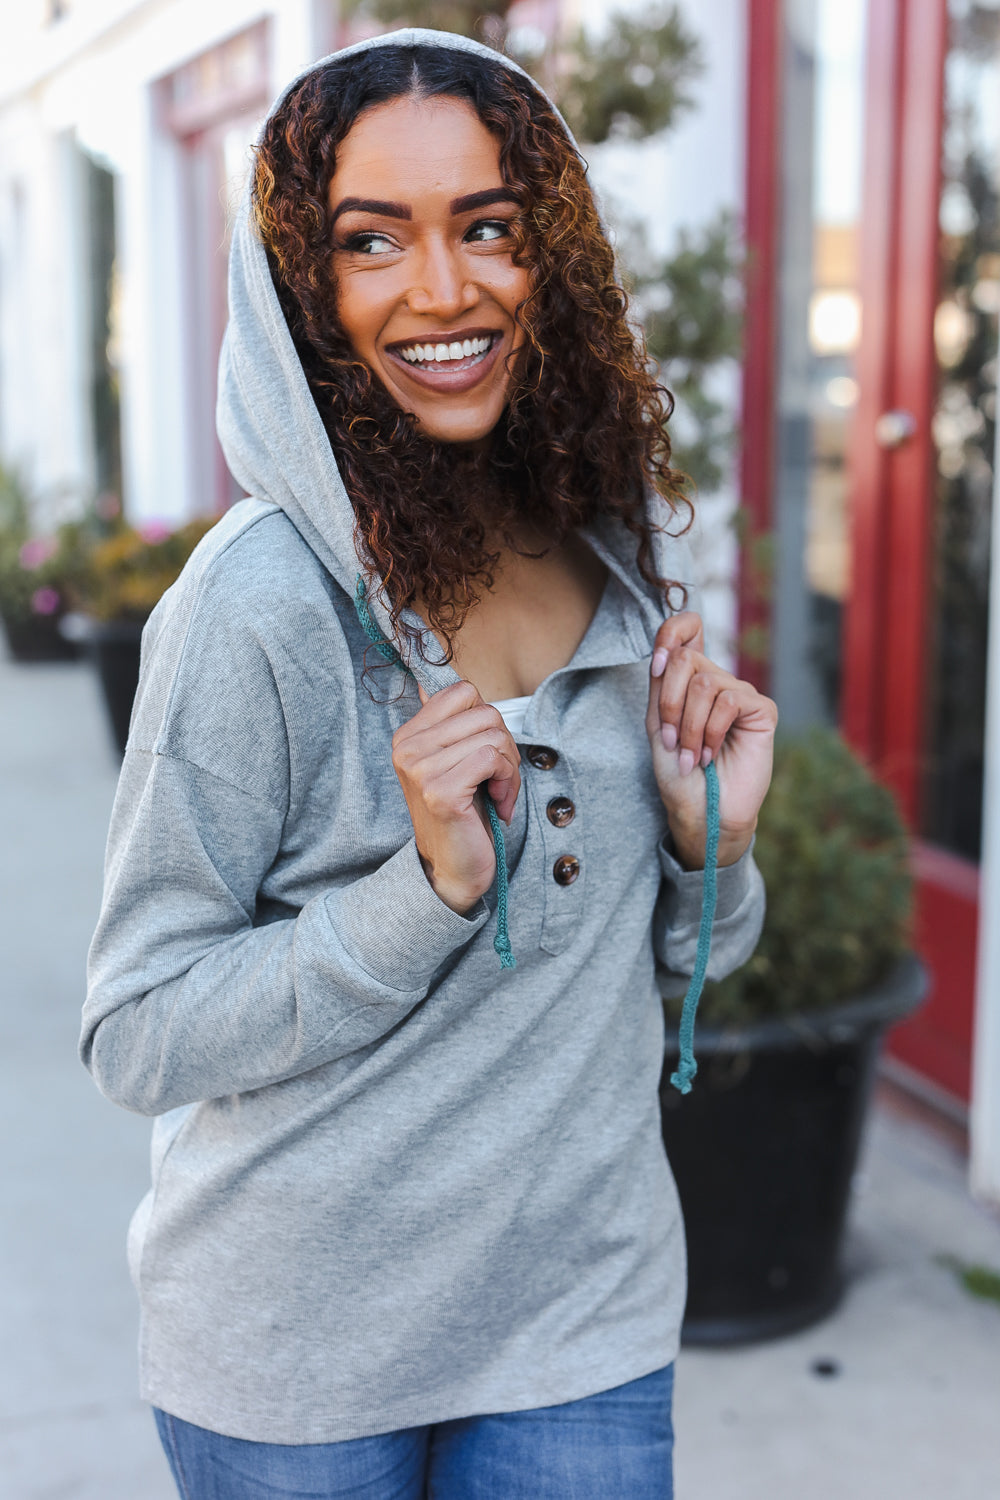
point(451, 375)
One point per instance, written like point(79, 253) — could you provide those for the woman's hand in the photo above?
point(697, 713)
point(453, 744)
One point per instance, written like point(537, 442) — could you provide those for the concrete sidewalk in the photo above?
point(912, 1411)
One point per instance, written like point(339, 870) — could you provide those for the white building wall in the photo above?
point(89, 78)
point(44, 417)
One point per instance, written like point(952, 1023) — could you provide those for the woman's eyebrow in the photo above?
point(480, 200)
point(372, 206)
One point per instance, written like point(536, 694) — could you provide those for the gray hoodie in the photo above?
point(392, 1183)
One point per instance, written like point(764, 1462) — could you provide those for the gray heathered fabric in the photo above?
point(392, 1183)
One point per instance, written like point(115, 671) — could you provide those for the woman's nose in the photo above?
point(441, 285)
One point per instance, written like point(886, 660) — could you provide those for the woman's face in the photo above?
point(426, 288)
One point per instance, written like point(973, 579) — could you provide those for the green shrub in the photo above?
point(834, 854)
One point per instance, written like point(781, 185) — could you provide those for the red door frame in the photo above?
point(892, 490)
point(762, 217)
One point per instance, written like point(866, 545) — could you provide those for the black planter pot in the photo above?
point(113, 646)
point(38, 638)
point(763, 1151)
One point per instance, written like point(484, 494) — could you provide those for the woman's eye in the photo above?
point(488, 229)
point(368, 243)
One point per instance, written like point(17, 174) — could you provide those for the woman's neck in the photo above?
point(533, 618)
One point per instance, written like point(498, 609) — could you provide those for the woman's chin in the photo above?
point(446, 419)
point(463, 435)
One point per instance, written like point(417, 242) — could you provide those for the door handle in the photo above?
point(894, 428)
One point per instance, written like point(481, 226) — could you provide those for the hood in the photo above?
point(276, 445)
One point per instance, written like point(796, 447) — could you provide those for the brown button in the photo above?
point(542, 758)
point(560, 811)
point(566, 869)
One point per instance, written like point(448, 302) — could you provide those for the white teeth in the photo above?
point(440, 353)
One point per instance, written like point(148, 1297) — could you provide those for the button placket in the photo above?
point(562, 867)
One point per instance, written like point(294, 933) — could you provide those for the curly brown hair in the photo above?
point(582, 431)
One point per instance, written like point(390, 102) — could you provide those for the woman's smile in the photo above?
point(427, 287)
point(449, 362)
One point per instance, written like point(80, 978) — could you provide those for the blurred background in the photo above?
point(805, 197)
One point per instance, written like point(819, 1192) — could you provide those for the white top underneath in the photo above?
point(512, 711)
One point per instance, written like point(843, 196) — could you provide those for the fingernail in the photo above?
point(706, 756)
point(659, 662)
point(685, 762)
point(668, 735)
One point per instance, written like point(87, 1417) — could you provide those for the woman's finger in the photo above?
point(684, 629)
point(465, 764)
point(725, 712)
point(454, 699)
point(451, 778)
point(425, 737)
point(504, 795)
point(668, 692)
point(703, 688)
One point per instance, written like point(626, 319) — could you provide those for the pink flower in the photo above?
point(37, 551)
point(154, 532)
point(45, 601)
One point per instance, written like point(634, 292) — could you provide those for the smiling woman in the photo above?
point(428, 290)
point(411, 1231)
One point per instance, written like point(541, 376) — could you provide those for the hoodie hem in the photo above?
point(373, 1420)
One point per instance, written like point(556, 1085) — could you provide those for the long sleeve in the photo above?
point(252, 928)
point(188, 999)
point(739, 917)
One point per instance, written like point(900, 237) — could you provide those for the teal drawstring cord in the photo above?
point(688, 1067)
point(501, 942)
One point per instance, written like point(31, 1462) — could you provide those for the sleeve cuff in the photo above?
point(733, 885)
point(394, 925)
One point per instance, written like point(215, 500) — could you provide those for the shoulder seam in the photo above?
point(271, 510)
point(183, 760)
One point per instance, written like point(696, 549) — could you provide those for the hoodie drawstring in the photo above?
point(687, 1066)
point(501, 943)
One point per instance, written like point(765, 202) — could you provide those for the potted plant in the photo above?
point(124, 573)
point(765, 1146)
point(35, 576)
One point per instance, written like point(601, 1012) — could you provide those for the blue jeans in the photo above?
point(614, 1446)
